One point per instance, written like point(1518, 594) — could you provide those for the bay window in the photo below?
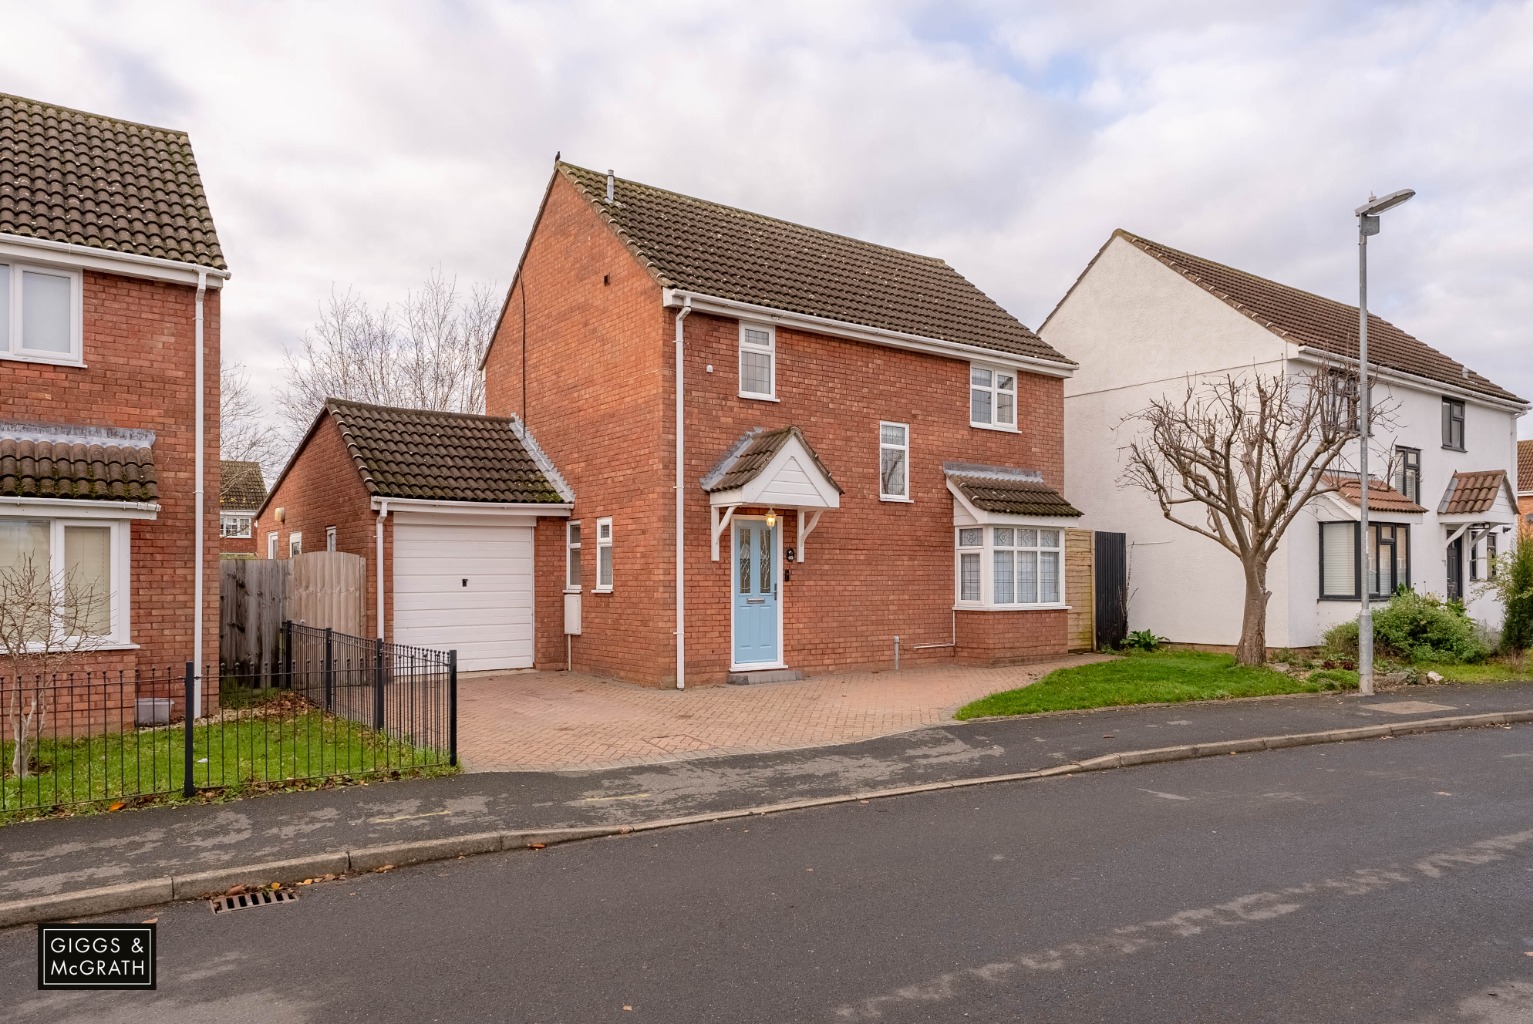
point(40, 313)
point(75, 570)
point(1010, 566)
point(1389, 561)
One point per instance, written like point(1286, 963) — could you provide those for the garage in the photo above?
point(465, 587)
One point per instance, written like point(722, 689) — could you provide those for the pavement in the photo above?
point(169, 852)
point(561, 721)
point(1383, 882)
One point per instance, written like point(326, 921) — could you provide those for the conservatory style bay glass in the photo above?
point(1024, 566)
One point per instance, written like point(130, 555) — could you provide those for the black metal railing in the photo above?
point(335, 707)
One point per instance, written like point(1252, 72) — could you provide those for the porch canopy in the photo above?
point(1003, 496)
point(772, 468)
point(1478, 503)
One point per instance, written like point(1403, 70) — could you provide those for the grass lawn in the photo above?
point(1497, 670)
point(230, 755)
point(1162, 677)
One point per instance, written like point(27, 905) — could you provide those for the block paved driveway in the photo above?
point(553, 721)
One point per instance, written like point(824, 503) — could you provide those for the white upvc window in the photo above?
point(40, 313)
point(572, 556)
point(294, 543)
point(1010, 567)
point(603, 555)
point(329, 538)
point(235, 524)
point(894, 461)
point(992, 397)
point(758, 360)
point(85, 565)
point(271, 544)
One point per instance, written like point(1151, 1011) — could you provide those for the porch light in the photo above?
point(771, 519)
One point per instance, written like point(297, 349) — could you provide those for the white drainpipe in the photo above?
point(681, 557)
point(201, 440)
point(383, 511)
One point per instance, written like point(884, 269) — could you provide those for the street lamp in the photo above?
point(1367, 224)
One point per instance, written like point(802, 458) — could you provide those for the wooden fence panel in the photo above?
point(328, 590)
point(251, 599)
point(1080, 589)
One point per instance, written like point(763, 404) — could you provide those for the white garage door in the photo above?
point(467, 588)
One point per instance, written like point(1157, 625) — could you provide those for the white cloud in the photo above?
point(364, 143)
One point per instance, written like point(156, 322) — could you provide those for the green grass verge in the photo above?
point(231, 757)
point(1162, 677)
point(1498, 670)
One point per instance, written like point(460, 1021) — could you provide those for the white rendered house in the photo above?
point(1143, 319)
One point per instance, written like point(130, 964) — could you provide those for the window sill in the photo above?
point(23, 357)
point(759, 398)
point(1450, 448)
point(897, 501)
point(995, 426)
point(105, 647)
point(972, 607)
point(601, 590)
point(572, 590)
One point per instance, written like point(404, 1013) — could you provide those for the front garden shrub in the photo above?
point(1143, 640)
point(1512, 581)
point(1414, 627)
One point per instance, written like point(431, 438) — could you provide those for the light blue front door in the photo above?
point(755, 594)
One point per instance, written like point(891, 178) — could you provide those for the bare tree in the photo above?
point(244, 434)
point(1235, 459)
point(424, 354)
point(46, 622)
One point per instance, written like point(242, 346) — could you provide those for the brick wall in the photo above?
point(139, 349)
point(322, 488)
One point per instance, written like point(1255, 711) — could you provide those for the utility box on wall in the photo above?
point(572, 614)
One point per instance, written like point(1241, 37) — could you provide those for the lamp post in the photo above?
point(1367, 224)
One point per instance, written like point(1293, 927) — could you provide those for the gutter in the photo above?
point(674, 297)
point(1315, 355)
point(197, 530)
point(681, 556)
point(171, 270)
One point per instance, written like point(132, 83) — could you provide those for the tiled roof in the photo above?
point(69, 176)
point(76, 471)
point(1381, 496)
point(1472, 493)
point(1525, 467)
point(1318, 322)
point(445, 456)
point(750, 455)
point(240, 485)
point(1008, 491)
point(717, 250)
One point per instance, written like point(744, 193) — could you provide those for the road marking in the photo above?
point(599, 799)
point(408, 817)
point(1252, 908)
point(1165, 796)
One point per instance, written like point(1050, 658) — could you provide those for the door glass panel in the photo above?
point(764, 558)
point(743, 548)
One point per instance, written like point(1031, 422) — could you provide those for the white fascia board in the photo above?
point(675, 297)
point(84, 257)
point(56, 508)
point(469, 508)
point(1316, 357)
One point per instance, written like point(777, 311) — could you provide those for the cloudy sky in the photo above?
point(363, 144)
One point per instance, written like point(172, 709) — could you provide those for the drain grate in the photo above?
point(247, 900)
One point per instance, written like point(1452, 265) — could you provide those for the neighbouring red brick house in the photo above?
point(870, 455)
point(241, 491)
point(110, 276)
point(1525, 484)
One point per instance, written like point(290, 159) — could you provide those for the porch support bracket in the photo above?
point(805, 528)
point(721, 517)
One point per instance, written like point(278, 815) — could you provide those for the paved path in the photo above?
point(1372, 883)
point(42, 858)
point(554, 721)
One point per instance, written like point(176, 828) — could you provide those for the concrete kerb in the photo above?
point(150, 892)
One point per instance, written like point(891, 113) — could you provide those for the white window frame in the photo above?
point(995, 391)
point(295, 543)
point(769, 349)
point(329, 538)
point(883, 446)
point(271, 544)
point(572, 538)
point(121, 563)
point(986, 551)
point(10, 344)
point(236, 525)
point(604, 545)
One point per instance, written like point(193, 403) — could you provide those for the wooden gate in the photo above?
point(1080, 589)
point(1111, 590)
point(323, 589)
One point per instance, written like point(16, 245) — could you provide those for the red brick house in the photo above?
point(241, 491)
point(441, 505)
point(862, 450)
point(1525, 484)
point(110, 276)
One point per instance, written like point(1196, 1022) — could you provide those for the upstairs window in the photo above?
point(758, 361)
point(39, 313)
point(604, 555)
point(894, 461)
point(572, 556)
point(1408, 473)
point(992, 397)
point(294, 544)
point(238, 526)
point(1453, 424)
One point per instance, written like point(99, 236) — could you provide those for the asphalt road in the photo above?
point(1382, 881)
